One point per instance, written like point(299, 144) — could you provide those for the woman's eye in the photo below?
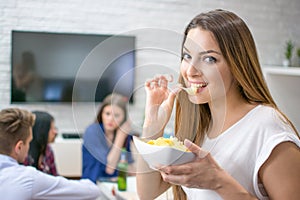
point(186, 56)
point(117, 116)
point(210, 59)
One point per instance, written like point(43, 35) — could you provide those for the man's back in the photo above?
point(21, 182)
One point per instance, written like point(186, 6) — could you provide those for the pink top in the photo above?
point(48, 163)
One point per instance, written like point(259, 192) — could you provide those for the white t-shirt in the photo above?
point(27, 183)
point(243, 148)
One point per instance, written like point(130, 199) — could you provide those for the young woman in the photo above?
point(41, 155)
point(104, 139)
point(249, 149)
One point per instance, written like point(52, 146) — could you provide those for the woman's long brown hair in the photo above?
point(238, 48)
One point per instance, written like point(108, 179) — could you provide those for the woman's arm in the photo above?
point(149, 182)
point(280, 174)
point(90, 165)
point(159, 105)
point(114, 154)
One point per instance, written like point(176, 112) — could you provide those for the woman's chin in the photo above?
point(110, 128)
point(196, 99)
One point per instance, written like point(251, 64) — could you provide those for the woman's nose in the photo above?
point(193, 69)
point(56, 131)
point(110, 118)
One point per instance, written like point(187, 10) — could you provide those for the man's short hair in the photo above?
point(15, 125)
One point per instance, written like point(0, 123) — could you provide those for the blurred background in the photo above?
point(157, 28)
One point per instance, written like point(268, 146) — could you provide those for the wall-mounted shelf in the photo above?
point(292, 71)
point(284, 83)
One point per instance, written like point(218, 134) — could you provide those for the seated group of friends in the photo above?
point(27, 137)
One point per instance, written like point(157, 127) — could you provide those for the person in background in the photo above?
point(26, 182)
point(41, 155)
point(245, 147)
point(26, 82)
point(104, 139)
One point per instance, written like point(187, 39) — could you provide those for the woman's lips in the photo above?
point(109, 125)
point(198, 87)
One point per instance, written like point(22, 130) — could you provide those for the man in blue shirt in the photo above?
point(21, 182)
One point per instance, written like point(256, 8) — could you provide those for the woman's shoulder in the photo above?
point(93, 131)
point(93, 125)
point(267, 114)
point(92, 128)
point(269, 120)
point(264, 109)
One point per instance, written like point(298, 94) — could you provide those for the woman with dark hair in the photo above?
point(245, 147)
point(104, 139)
point(40, 153)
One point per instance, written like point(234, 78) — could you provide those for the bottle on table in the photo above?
point(122, 171)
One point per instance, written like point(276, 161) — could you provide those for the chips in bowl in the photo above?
point(163, 151)
point(172, 142)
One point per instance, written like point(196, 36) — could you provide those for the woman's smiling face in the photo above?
point(204, 67)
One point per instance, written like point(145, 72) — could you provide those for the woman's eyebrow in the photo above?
point(210, 51)
point(204, 52)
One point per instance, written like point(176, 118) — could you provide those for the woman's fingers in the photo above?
point(201, 153)
point(154, 83)
point(147, 83)
point(159, 81)
point(173, 179)
point(195, 149)
point(176, 169)
point(164, 80)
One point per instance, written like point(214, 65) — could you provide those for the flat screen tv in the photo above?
point(67, 67)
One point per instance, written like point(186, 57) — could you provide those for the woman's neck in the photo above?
point(226, 112)
point(109, 136)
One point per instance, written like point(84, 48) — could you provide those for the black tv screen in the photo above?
point(68, 67)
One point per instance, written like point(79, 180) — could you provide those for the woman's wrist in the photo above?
point(229, 188)
point(120, 139)
point(151, 132)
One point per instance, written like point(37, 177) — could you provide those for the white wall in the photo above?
point(158, 26)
